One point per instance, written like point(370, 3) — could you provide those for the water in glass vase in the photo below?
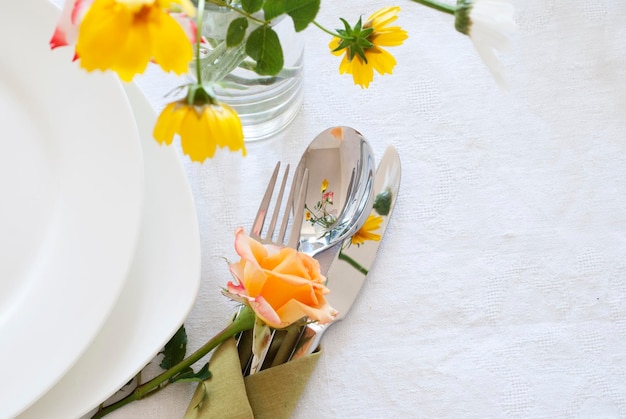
point(265, 104)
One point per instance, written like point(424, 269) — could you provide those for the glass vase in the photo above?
point(265, 104)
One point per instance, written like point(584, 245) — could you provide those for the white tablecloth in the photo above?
point(500, 286)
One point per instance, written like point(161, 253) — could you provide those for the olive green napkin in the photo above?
point(272, 393)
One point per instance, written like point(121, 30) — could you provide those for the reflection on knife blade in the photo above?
point(348, 272)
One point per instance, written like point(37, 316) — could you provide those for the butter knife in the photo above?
point(348, 271)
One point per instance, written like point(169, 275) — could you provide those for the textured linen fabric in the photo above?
point(500, 286)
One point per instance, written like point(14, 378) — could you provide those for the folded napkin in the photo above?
point(270, 394)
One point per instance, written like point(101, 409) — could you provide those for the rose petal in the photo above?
point(265, 311)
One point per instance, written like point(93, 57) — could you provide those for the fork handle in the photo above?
point(310, 340)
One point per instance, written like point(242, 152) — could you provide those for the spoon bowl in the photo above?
point(339, 197)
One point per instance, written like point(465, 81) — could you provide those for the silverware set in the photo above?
point(342, 155)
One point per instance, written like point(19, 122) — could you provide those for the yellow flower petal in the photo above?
point(168, 122)
point(170, 46)
point(233, 133)
point(362, 72)
point(381, 61)
point(372, 223)
point(382, 17)
point(96, 51)
point(334, 43)
point(133, 55)
point(195, 135)
point(390, 38)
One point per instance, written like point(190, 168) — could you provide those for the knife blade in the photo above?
point(349, 270)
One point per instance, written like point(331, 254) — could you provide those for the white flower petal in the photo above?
point(491, 25)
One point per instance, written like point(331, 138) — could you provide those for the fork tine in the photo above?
point(279, 201)
point(288, 207)
point(259, 220)
point(298, 211)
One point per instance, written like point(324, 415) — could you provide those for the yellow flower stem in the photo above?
point(437, 5)
point(221, 3)
point(331, 33)
point(356, 265)
point(243, 321)
point(199, 21)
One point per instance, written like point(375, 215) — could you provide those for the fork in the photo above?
point(293, 207)
point(297, 210)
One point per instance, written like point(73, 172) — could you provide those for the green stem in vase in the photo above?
point(243, 321)
point(356, 265)
point(437, 5)
point(221, 61)
point(198, 39)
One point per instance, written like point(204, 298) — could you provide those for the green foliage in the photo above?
point(382, 203)
point(251, 6)
point(188, 375)
point(302, 12)
point(174, 350)
point(274, 8)
point(236, 32)
point(263, 46)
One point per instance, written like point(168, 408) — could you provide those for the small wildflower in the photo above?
point(362, 46)
point(488, 23)
point(202, 123)
point(125, 35)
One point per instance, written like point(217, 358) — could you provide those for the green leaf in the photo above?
point(382, 203)
point(236, 31)
point(302, 12)
point(251, 6)
point(274, 8)
point(174, 350)
point(263, 46)
point(188, 375)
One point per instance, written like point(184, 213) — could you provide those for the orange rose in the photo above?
point(281, 285)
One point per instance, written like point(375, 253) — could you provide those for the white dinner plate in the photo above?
point(160, 290)
point(71, 185)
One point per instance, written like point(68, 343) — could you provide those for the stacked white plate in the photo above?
point(99, 246)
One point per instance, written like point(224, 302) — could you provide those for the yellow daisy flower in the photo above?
point(372, 223)
point(376, 58)
point(324, 185)
point(124, 35)
point(202, 128)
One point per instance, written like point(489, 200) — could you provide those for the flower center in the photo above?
point(137, 6)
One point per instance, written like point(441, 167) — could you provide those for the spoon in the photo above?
point(342, 158)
